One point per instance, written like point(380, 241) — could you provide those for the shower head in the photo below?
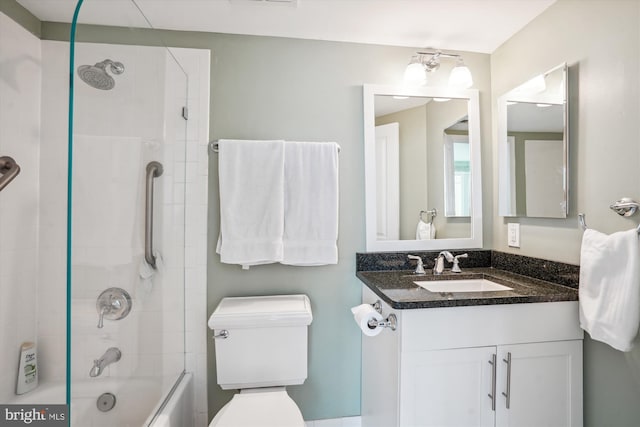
point(96, 75)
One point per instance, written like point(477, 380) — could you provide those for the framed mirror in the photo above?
point(423, 185)
point(533, 147)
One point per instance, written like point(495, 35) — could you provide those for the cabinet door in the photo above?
point(447, 388)
point(545, 385)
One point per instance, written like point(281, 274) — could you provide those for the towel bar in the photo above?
point(582, 222)
point(9, 169)
point(213, 146)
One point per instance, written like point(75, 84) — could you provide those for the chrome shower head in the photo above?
point(96, 75)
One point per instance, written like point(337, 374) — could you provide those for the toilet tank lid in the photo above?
point(261, 312)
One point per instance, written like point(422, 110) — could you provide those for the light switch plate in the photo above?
point(513, 235)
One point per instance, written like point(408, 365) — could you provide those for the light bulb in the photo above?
point(415, 74)
point(460, 76)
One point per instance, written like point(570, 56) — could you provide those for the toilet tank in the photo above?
point(266, 343)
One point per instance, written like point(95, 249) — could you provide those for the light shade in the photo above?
point(460, 76)
point(415, 74)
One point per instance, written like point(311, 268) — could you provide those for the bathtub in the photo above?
point(134, 397)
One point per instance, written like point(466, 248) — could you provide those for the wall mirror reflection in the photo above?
point(533, 147)
point(422, 166)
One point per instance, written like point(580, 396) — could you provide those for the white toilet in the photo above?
point(261, 347)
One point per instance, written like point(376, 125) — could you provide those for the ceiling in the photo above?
point(468, 25)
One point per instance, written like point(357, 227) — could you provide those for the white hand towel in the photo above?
point(425, 231)
point(609, 291)
point(311, 203)
point(108, 176)
point(251, 177)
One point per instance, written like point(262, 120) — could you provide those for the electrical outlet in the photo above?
point(513, 235)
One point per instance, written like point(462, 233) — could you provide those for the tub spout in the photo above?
point(112, 355)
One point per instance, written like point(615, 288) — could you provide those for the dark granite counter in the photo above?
point(397, 289)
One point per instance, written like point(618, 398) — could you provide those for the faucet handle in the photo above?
point(420, 266)
point(456, 266)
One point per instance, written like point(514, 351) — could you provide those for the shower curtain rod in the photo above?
point(213, 146)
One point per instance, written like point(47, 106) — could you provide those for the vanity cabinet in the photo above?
point(497, 365)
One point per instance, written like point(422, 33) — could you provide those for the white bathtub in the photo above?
point(134, 397)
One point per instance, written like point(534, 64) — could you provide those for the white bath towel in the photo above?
point(311, 203)
point(107, 180)
point(425, 231)
point(609, 290)
point(251, 178)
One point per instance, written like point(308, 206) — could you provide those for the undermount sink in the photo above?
point(465, 285)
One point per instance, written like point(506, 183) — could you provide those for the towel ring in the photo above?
point(432, 213)
point(583, 223)
point(625, 206)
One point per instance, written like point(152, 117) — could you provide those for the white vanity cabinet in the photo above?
point(495, 365)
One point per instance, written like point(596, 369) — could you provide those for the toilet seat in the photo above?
point(265, 407)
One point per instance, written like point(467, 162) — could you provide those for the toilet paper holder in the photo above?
point(390, 322)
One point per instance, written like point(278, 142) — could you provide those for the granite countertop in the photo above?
point(397, 289)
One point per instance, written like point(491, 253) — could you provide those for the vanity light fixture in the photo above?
point(426, 62)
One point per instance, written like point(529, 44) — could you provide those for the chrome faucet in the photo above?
point(420, 266)
point(456, 266)
point(112, 355)
point(438, 267)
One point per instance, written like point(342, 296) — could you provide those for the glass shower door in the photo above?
point(127, 226)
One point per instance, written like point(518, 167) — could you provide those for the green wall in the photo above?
point(604, 108)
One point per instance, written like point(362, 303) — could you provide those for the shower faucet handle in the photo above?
point(113, 304)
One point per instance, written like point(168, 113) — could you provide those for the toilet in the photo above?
point(261, 347)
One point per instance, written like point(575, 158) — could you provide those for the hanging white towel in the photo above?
point(609, 291)
point(107, 176)
point(425, 231)
point(251, 178)
point(311, 203)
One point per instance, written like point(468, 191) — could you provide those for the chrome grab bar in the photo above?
point(9, 169)
point(154, 170)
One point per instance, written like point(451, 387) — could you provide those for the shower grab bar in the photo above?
point(154, 170)
point(9, 169)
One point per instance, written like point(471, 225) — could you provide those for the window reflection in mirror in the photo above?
point(418, 158)
point(533, 147)
point(457, 170)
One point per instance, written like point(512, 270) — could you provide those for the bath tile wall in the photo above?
point(196, 64)
point(52, 250)
point(191, 169)
point(20, 75)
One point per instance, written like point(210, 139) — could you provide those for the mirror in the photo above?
point(422, 168)
point(533, 147)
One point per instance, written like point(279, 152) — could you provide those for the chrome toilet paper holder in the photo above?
point(390, 322)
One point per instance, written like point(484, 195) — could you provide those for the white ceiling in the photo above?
point(469, 25)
